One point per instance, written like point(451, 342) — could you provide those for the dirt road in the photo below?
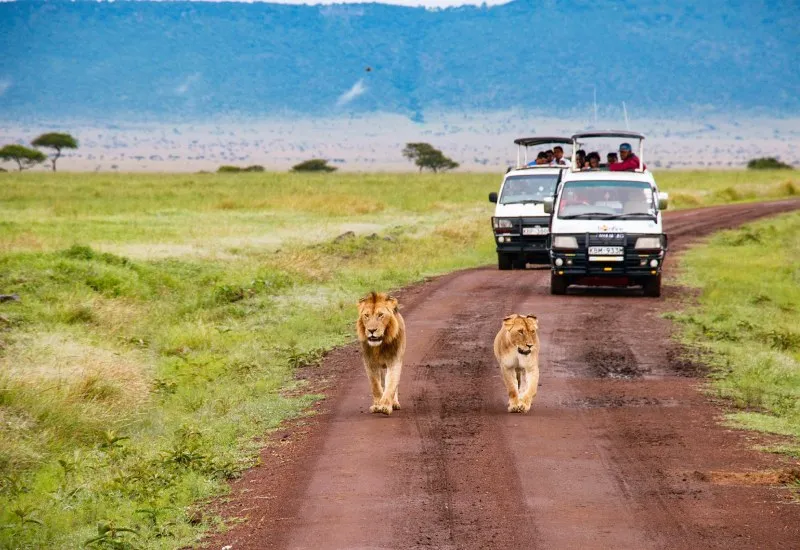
point(620, 450)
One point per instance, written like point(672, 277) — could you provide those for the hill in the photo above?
point(183, 60)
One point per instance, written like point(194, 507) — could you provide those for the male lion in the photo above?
point(516, 348)
point(382, 334)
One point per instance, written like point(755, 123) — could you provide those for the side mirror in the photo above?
point(663, 201)
point(492, 197)
point(548, 205)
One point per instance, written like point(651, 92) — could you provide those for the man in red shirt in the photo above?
point(629, 160)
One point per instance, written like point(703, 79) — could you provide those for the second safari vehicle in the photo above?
point(520, 224)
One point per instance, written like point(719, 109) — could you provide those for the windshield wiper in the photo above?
point(605, 215)
point(527, 201)
point(633, 215)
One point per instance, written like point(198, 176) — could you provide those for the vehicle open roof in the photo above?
point(522, 159)
point(607, 134)
point(531, 141)
point(577, 142)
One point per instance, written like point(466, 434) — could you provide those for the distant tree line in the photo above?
point(27, 157)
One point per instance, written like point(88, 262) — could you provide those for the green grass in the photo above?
point(689, 189)
point(748, 322)
point(162, 316)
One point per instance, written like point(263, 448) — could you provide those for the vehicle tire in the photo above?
point(558, 284)
point(652, 286)
point(505, 262)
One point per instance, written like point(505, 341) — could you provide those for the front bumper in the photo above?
point(636, 265)
point(513, 240)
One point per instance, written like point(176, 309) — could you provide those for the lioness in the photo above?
point(382, 334)
point(516, 348)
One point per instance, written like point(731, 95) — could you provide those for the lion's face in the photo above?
point(376, 319)
point(522, 332)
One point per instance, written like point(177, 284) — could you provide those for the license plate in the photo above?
point(534, 231)
point(605, 250)
point(606, 258)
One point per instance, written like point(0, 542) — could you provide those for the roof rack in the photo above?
point(533, 141)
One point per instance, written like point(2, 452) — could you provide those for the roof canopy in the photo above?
point(608, 134)
point(531, 141)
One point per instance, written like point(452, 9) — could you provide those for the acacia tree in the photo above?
point(25, 157)
point(56, 141)
point(426, 155)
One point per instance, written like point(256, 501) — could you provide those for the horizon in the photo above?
point(274, 82)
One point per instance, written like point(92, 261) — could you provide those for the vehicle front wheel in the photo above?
point(558, 284)
point(505, 261)
point(652, 286)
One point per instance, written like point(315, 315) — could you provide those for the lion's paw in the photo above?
point(396, 405)
point(514, 407)
point(383, 409)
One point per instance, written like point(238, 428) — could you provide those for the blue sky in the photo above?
point(415, 3)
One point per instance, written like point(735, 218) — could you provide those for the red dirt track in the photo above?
point(620, 449)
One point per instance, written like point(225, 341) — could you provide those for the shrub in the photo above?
point(313, 165)
point(767, 163)
point(228, 169)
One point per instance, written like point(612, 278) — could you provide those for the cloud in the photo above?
point(184, 86)
point(5, 84)
point(357, 89)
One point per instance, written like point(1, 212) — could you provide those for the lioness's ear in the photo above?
point(532, 317)
point(509, 320)
point(392, 301)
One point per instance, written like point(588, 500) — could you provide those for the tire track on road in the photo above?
point(600, 462)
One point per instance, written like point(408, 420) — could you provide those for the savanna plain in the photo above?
point(161, 317)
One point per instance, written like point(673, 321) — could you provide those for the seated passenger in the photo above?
point(580, 158)
point(593, 160)
point(550, 155)
point(541, 159)
point(558, 156)
point(629, 160)
point(611, 158)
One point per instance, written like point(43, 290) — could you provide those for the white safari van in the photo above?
point(520, 224)
point(606, 226)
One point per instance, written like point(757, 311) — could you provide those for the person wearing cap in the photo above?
point(629, 160)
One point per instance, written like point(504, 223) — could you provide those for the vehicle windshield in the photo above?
point(606, 200)
point(528, 188)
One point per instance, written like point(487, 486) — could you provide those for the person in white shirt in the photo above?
point(558, 156)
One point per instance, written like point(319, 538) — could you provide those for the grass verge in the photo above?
point(748, 322)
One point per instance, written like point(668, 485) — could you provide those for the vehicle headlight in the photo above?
point(648, 243)
point(502, 223)
point(565, 242)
